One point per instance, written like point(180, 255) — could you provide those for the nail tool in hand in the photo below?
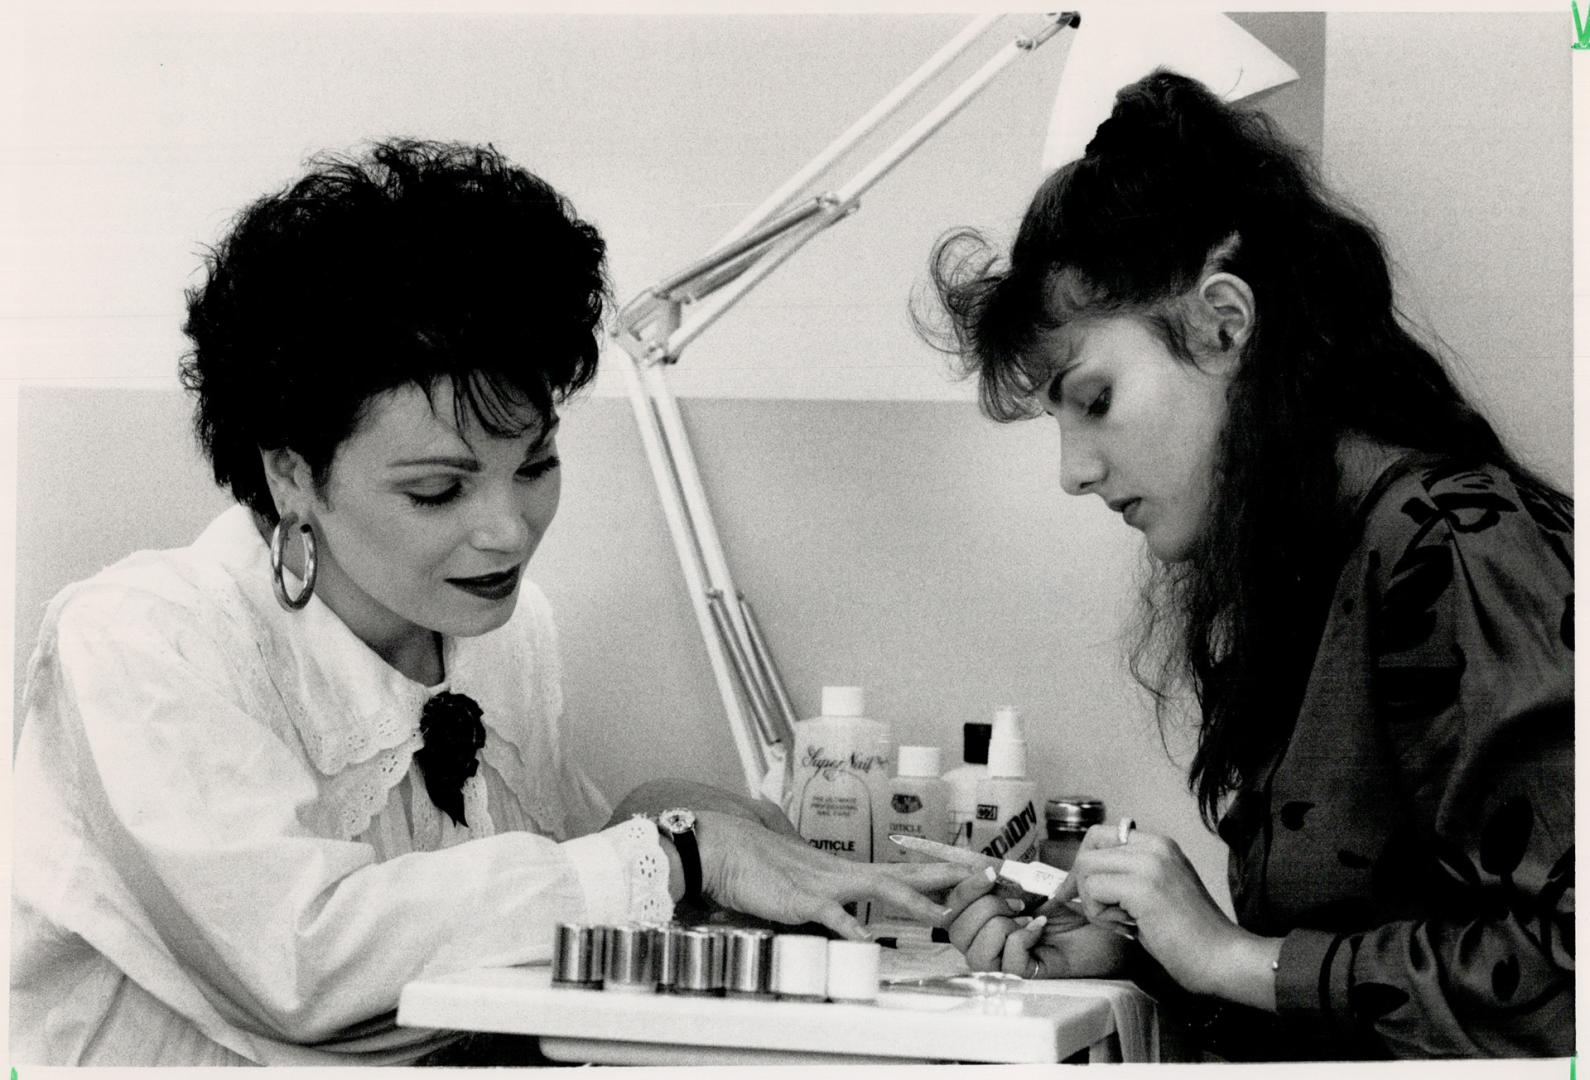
point(1039, 879)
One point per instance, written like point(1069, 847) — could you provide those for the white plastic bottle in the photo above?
point(917, 803)
point(1006, 824)
point(963, 780)
point(840, 775)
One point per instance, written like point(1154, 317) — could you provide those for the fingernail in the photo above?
point(1037, 924)
point(988, 872)
point(1015, 903)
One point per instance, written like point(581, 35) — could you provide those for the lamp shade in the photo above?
point(1114, 47)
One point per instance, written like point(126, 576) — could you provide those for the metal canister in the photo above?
point(1066, 821)
point(577, 955)
point(749, 970)
point(630, 960)
point(698, 968)
point(665, 942)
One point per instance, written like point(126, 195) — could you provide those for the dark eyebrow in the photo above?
point(1065, 345)
point(1055, 392)
point(469, 464)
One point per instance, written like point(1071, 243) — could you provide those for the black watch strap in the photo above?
point(680, 827)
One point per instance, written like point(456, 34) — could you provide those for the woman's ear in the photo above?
point(291, 481)
point(1227, 310)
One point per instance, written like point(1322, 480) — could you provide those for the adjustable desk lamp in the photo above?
point(1112, 48)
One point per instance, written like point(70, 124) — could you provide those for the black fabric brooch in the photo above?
point(450, 724)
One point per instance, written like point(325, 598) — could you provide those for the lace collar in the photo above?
point(346, 702)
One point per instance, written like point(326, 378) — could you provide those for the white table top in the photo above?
point(1035, 1022)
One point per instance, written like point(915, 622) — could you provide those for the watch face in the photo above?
point(677, 821)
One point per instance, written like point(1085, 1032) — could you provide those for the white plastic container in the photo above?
point(1006, 824)
point(963, 780)
point(853, 969)
point(917, 803)
point(840, 775)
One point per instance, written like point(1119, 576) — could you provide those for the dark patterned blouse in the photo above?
point(1414, 841)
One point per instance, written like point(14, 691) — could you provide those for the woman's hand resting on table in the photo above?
point(1058, 943)
point(1149, 880)
point(749, 868)
point(753, 861)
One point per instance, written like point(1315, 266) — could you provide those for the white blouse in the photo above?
point(224, 852)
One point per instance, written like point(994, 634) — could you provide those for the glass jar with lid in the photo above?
point(1067, 819)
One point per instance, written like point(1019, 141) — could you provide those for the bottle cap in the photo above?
point(919, 761)
point(629, 959)
point(800, 966)
point(698, 969)
point(750, 965)
point(853, 970)
point(1007, 750)
point(666, 942)
point(577, 955)
point(844, 701)
point(974, 742)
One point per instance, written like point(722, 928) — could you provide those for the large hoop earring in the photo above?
point(306, 536)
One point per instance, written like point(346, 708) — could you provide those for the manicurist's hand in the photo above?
point(752, 869)
point(1060, 942)
point(1149, 880)
point(656, 795)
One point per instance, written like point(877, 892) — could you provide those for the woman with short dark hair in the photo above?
point(273, 776)
point(1369, 597)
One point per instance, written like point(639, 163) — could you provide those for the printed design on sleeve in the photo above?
point(1421, 668)
point(1294, 813)
point(1504, 842)
point(1369, 1001)
point(1466, 501)
point(1555, 523)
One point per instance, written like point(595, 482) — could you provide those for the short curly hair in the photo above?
point(414, 262)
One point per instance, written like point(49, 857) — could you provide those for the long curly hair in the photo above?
point(412, 263)
point(1177, 184)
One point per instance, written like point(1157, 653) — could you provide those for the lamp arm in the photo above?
point(679, 286)
point(941, 114)
point(888, 106)
point(753, 755)
point(768, 262)
point(847, 199)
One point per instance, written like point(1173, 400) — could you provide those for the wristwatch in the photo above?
point(679, 825)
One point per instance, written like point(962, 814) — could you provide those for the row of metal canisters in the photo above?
point(714, 962)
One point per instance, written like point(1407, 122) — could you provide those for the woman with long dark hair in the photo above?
point(1369, 597)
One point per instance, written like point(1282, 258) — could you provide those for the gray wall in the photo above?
point(1454, 135)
